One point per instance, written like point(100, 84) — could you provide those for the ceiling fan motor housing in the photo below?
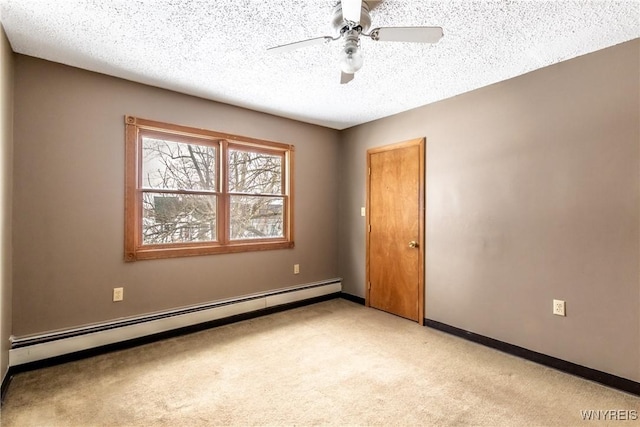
point(340, 25)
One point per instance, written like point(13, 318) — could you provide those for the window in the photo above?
point(196, 192)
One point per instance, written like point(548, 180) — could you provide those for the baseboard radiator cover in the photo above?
point(59, 343)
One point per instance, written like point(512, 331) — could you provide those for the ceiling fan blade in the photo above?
point(346, 77)
point(297, 45)
point(407, 34)
point(351, 10)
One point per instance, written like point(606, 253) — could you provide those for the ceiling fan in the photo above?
point(351, 20)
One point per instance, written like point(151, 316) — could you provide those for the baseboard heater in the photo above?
point(35, 348)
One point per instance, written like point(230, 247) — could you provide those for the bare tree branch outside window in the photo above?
point(255, 184)
point(192, 191)
point(171, 217)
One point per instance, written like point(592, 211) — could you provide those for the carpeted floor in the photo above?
point(334, 362)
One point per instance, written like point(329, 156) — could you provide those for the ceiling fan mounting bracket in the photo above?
point(350, 29)
point(341, 25)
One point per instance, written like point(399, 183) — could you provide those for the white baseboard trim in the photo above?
point(45, 346)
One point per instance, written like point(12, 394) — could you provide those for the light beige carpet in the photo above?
point(330, 363)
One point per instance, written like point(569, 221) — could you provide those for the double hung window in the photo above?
point(195, 192)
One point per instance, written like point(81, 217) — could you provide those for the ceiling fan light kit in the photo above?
point(351, 59)
point(351, 20)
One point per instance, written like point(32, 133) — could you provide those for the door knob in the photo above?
point(413, 244)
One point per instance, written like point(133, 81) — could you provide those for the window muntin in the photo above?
point(195, 192)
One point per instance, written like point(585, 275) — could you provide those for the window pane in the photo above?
point(254, 217)
point(178, 218)
point(177, 166)
point(256, 173)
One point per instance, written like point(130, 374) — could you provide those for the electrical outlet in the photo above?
point(296, 268)
point(559, 307)
point(118, 294)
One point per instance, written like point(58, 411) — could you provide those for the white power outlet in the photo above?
point(559, 307)
point(118, 294)
point(296, 268)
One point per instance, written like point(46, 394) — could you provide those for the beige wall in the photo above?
point(532, 194)
point(69, 196)
point(6, 144)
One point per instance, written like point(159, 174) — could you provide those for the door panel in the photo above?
point(395, 207)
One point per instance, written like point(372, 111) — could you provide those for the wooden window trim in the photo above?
point(136, 250)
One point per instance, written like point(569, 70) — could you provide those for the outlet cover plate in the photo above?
point(559, 307)
point(118, 294)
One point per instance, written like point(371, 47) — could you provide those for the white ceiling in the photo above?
point(216, 49)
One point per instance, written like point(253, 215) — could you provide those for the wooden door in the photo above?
point(395, 235)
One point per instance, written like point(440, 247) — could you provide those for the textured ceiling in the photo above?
point(216, 49)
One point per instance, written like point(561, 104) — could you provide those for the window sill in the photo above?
point(154, 252)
